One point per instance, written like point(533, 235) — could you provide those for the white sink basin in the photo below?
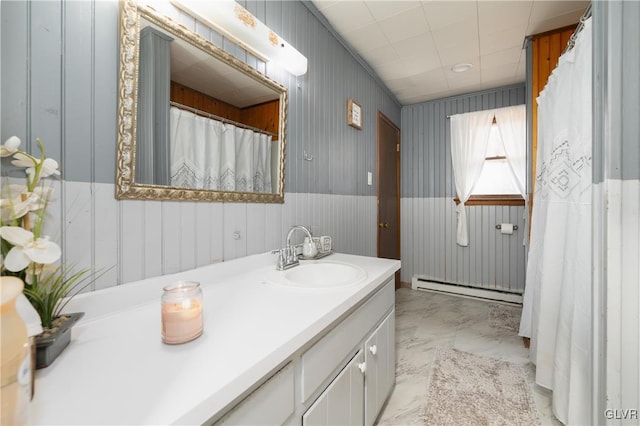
point(319, 274)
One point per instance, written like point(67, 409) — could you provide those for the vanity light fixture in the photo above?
point(463, 67)
point(238, 24)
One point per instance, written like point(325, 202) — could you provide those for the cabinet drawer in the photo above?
point(271, 404)
point(326, 355)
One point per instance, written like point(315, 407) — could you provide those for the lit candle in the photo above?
point(181, 312)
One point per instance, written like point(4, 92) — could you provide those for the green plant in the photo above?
point(26, 252)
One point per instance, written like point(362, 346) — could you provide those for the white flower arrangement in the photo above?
point(25, 252)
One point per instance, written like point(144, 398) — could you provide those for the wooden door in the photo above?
point(388, 190)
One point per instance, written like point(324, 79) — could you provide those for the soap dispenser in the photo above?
point(309, 248)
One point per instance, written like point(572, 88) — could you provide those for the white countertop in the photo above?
point(117, 370)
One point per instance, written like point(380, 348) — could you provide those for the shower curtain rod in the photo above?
point(572, 40)
point(218, 118)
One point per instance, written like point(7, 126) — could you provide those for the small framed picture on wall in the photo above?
point(354, 114)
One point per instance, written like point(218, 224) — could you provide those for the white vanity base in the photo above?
point(287, 355)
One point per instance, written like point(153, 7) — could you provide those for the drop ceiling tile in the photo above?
point(389, 73)
point(435, 77)
point(387, 8)
point(463, 89)
point(494, 42)
point(463, 79)
point(420, 98)
point(367, 38)
point(408, 59)
point(323, 4)
point(494, 16)
point(497, 83)
point(416, 64)
point(405, 25)
point(536, 27)
point(465, 53)
point(543, 10)
point(503, 57)
point(501, 72)
point(461, 33)
point(383, 55)
point(420, 44)
point(347, 16)
point(403, 86)
point(441, 14)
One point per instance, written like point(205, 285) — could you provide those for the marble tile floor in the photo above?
point(426, 320)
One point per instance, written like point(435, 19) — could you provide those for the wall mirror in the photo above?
point(194, 122)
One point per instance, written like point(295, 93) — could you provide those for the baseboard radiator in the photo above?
point(427, 284)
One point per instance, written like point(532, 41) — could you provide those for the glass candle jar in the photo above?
point(181, 312)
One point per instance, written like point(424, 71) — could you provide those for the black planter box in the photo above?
point(50, 345)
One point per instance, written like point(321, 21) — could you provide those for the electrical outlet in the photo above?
point(237, 235)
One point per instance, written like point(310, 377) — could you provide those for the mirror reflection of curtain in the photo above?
point(208, 154)
point(152, 145)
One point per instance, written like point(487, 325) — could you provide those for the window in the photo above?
point(497, 183)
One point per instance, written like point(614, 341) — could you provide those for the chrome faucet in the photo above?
point(297, 227)
point(287, 256)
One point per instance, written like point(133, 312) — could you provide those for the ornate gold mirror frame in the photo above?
point(126, 187)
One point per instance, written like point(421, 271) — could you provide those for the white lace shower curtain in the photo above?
point(557, 299)
point(209, 154)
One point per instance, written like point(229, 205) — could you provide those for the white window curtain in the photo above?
point(512, 125)
point(469, 139)
point(208, 154)
point(556, 312)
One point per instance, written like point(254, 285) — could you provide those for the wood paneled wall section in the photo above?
point(187, 96)
point(263, 116)
point(547, 48)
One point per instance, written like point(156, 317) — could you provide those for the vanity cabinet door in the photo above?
point(379, 351)
point(271, 404)
point(343, 400)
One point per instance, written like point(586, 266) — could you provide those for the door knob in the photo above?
point(383, 225)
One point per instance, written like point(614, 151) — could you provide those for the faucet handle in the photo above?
point(280, 262)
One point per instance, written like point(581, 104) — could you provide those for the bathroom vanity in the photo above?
point(277, 348)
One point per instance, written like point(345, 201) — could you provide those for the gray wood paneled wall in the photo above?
point(59, 81)
point(616, 210)
point(426, 142)
point(59, 68)
point(492, 260)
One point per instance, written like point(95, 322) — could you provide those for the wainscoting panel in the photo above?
point(492, 260)
point(152, 218)
point(164, 237)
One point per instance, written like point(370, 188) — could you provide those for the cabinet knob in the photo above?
point(383, 225)
point(362, 367)
point(373, 349)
